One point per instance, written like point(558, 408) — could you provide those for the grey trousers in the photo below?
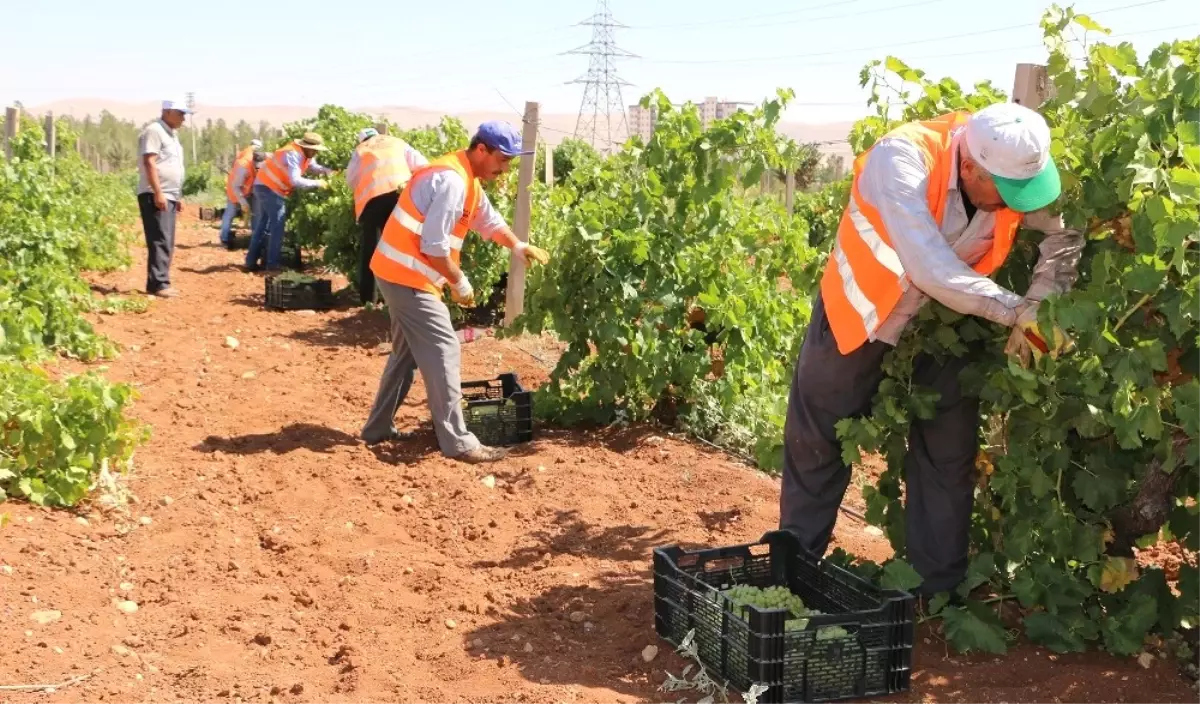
point(422, 338)
point(939, 467)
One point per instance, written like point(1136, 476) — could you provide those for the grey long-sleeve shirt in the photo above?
point(938, 261)
point(440, 196)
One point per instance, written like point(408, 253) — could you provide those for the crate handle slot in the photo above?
point(724, 563)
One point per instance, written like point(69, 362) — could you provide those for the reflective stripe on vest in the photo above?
point(415, 226)
point(411, 262)
point(398, 258)
point(274, 173)
point(384, 169)
point(244, 164)
point(864, 278)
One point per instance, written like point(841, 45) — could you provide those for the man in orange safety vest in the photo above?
point(279, 175)
point(379, 168)
point(934, 210)
point(416, 257)
point(239, 183)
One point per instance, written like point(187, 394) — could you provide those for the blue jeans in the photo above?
point(231, 209)
point(270, 211)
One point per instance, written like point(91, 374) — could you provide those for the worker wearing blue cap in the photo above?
point(417, 256)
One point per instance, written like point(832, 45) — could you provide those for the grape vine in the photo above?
point(1093, 454)
point(58, 218)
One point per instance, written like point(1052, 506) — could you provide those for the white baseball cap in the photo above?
point(180, 105)
point(366, 133)
point(1012, 143)
point(256, 143)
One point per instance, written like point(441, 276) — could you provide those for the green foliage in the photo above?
point(822, 210)
point(324, 220)
point(57, 218)
point(573, 156)
point(56, 436)
point(1095, 451)
point(659, 239)
point(199, 178)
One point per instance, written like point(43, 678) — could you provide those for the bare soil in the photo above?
point(274, 557)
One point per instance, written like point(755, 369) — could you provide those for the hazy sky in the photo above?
point(475, 55)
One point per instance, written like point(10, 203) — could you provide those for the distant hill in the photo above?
point(556, 126)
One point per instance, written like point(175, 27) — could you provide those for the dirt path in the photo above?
point(274, 557)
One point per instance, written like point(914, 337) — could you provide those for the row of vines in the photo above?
point(682, 295)
point(60, 434)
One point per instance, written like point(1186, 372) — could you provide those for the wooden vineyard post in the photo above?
point(549, 164)
point(51, 136)
point(381, 127)
point(514, 302)
point(12, 119)
point(789, 192)
point(1031, 86)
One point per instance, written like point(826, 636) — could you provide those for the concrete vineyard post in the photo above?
point(514, 302)
point(789, 193)
point(51, 136)
point(12, 119)
point(1031, 86)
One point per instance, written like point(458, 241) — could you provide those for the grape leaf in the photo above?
point(1053, 632)
point(974, 627)
point(898, 574)
point(1125, 628)
point(981, 568)
point(1117, 573)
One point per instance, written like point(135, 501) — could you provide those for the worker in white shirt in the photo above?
point(280, 174)
point(379, 168)
point(934, 211)
point(239, 183)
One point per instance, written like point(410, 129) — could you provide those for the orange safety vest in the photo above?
point(864, 279)
point(243, 164)
point(274, 173)
point(398, 258)
point(382, 168)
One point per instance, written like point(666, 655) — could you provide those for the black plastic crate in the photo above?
point(498, 411)
point(872, 658)
point(288, 294)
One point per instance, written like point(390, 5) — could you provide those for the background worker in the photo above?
point(418, 255)
point(987, 174)
point(379, 168)
point(239, 183)
point(279, 175)
point(160, 193)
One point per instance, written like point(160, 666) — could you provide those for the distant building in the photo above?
point(642, 120)
point(712, 110)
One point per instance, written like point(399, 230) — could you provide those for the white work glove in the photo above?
point(462, 293)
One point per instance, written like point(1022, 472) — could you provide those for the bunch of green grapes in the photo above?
point(744, 595)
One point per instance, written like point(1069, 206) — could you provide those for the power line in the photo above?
point(886, 47)
point(977, 52)
point(860, 13)
point(734, 20)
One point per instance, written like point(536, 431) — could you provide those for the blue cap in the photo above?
point(501, 135)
